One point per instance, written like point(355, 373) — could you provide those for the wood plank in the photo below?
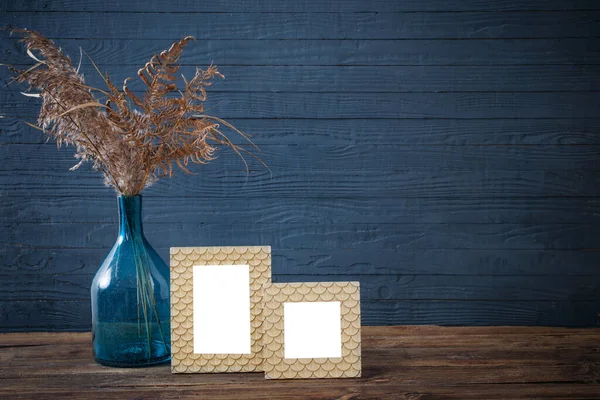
point(352, 79)
point(395, 335)
point(229, 178)
point(435, 362)
point(103, 209)
point(515, 262)
point(374, 25)
point(522, 350)
point(414, 332)
point(455, 354)
point(374, 105)
point(313, 6)
point(408, 237)
point(61, 315)
point(368, 259)
point(332, 52)
point(212, 183)
point(397, 132)
point(460, 313)
point(26, 158)
point(493, 391)
point(373, 287)
point(472, 288)
point(339, 390)
point(375, 384)
point(43, 315)
point(377, 337)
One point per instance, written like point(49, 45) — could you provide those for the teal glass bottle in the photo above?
point(130, 297)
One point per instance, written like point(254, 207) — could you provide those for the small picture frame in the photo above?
point(312, 330)
point(216, 308)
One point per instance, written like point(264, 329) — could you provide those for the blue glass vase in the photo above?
point(130, 297)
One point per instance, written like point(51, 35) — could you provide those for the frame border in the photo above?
point(278, 367)
point(182, 260)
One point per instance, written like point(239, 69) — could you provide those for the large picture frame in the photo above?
point(218, 270)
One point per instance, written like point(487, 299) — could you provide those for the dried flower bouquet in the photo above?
point(133, 139)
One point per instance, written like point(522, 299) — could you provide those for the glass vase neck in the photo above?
point(130, 216)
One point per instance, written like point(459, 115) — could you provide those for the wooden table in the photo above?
point(409, 362)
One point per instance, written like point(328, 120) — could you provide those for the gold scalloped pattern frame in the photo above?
point(182, 260)
point(278, 367)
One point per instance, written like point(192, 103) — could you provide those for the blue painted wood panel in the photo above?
point(335, 52)
point(374, 25)
point(443, 152)
point(312, 6)
point(283, 105)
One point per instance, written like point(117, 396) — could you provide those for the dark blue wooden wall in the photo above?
point(446, 153)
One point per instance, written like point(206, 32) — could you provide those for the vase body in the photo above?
point(130, 297)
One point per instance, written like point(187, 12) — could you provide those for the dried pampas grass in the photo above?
point(133, 140)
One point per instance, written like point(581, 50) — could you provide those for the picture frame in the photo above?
point(293, 349)
point(234, 276)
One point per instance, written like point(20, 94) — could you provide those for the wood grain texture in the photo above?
point(374, 288)
point(415, 52)
point(398, 362)
point(376, 105)
point(367, 260)
point(376, 25)
point(406, 237)
point(313, 6)
point(74, 315)
point(214, 182)
point(375, 79)
point(444, 153)
point(367, 158)
point(400, 132)
point(310, 210)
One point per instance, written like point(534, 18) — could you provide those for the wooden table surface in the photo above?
point(408, 362)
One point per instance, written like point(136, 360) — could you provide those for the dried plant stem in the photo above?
point(104, 164)
point(133, 139)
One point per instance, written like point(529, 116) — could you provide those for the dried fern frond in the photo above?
point(133, 139)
